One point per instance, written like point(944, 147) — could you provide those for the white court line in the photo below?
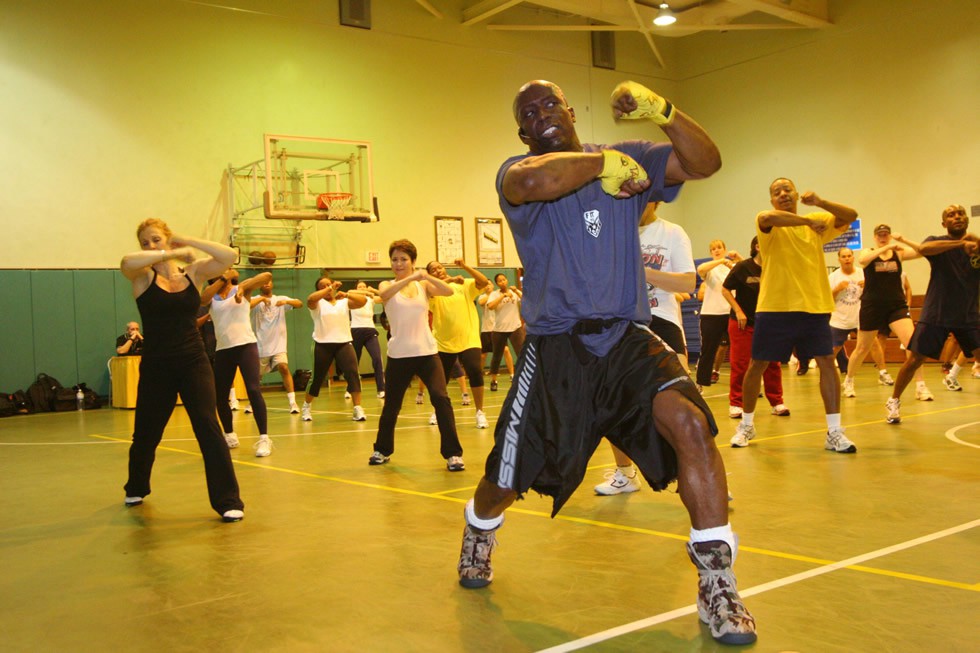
point(758, 589)
point(951, 435)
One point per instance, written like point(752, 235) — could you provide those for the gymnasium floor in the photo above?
point(872, 552)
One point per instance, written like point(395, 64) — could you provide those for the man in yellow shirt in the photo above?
point(795, 301)
point(456, 327)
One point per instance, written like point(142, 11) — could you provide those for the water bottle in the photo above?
point(80, 400)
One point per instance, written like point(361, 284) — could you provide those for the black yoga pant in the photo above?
point(499, 339)
point(325, 353)
point(246, 359)
point(368, 339)
point(470, 360)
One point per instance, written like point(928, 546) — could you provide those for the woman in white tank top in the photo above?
point(412, 351)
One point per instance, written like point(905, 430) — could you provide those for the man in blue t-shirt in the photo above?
point(590, 367)
point(951, 302)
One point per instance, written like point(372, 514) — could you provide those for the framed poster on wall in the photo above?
point(489, 242)
point(449, 239)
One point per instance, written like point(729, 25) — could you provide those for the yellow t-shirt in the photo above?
point(455, 322)
point(794, 271)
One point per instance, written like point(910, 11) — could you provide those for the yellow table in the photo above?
point(124, 371)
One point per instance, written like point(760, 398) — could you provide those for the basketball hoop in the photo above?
point(334, 204)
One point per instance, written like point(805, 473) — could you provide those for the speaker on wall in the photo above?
point(604, 50)
point(355, 13)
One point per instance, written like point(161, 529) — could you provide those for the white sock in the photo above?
point(882, 372)
point(833, 421)
point(482, 524)
point(954, 370)
point(748, 418)
point(920, 384)
point(263, 436)
point(307, 404)
point(231, 394)
point(723, 533)
point(291, 396)
point(628, 471)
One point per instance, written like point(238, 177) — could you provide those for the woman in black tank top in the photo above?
point(884, 306)
point(174, 360)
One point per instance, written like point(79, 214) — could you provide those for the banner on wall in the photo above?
point(850, 239)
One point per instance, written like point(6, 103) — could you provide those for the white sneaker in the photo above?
point(455, 464)
point(248, 409)
point(884, 378)
point(231, 439)
point(346, 395)
point(233, 404)
point(378, 458)
point(975, 373)
point(359, 415)
point(466, 399)
point(263, 448)
point(735, 412)
point(432, 420)
point(133, 501)
point(618, 483)
point(952, 384)
point(307, 413)
point(293, 409)
point(922, 392)
point(780, 410)
point(848, 388)
point(837, 441)
point(892, 406)
point(420, 398)
point(232, 515)
point(743, 433)
point(481, 420)
point(381, 395)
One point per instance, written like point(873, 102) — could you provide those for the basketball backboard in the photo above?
point(304, 176)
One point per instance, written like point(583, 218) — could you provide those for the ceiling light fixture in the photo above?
point(665, 16)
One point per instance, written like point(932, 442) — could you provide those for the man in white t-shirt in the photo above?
point(269, 324)
point(668, 263)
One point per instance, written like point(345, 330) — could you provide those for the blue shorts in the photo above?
point(928, 339)
point(778, 334)
point(840, 336)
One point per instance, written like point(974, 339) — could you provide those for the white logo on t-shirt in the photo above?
point(592, 223)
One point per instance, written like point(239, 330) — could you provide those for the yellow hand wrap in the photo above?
point(648, 104)
point(617, 169)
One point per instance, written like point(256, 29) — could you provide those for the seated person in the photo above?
point(131, 342)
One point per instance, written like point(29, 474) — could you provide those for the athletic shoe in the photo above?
point(359, 415)
point(892, 406)
point(719, 604)
point(493, 386)
point(922, 392)
point(481, 420)
point(848, 388)
point(293, 409)
point(455, 464)
point(715, 376)
point(420, 397)
point(381, 395)
point(233, 404)
point(346, 395)
point(307, 413)
point(232, 515)
point(378, 458)
point(263, 448)
point(976, 371)
point(474, 566)
point(837, 441)
point(801, 370)
point(248, 409)
point(129, 502)
point(432, 420)
point(952, 384)
point(743, 433)
point(231, 439)
point(780, 410)
point(618, 483)
point(884, 378)
point(466, 399)
point(735, 412)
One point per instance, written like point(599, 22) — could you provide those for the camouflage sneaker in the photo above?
point(474, 558)
point(719, 605)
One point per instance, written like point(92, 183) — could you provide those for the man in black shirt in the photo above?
point(131, 342)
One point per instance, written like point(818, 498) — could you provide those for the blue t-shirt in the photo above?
point(951, 298)
point(581, 252)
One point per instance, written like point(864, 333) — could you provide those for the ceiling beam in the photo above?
point(646, 34)
point(672, 30)
point(484, 10)
point(425, 4)
point(809, 13)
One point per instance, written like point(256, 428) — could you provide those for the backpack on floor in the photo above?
point(301, 379)
point(7, 405)
point(42, 392)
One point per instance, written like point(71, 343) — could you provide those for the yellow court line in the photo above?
point(575, 520)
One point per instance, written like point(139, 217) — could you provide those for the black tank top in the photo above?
point(170, 320)
point(883, 283)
